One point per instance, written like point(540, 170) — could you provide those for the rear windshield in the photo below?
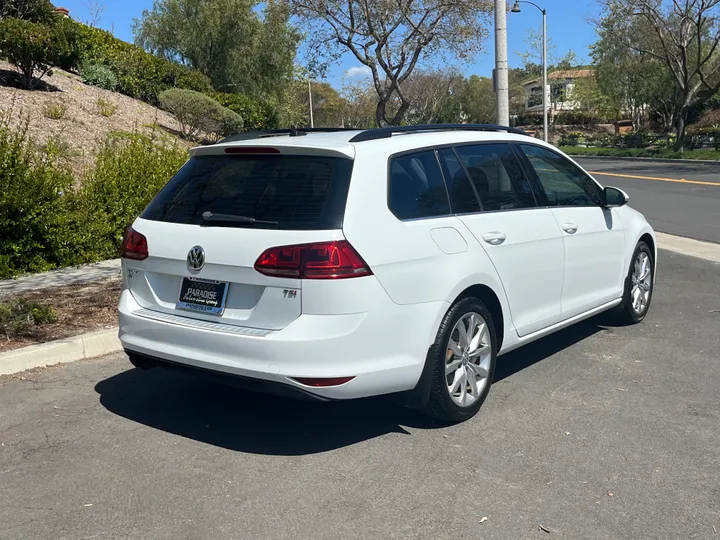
point(279, 191)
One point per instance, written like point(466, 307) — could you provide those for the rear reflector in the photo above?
point(134, 246)
point(251, 150)
point(334, 381)
point(322, 260)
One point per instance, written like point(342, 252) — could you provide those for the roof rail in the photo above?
point(386, 132)
point(292, 132)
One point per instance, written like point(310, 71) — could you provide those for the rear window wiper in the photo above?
point(232, 218)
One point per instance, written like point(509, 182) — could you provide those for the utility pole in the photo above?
point(312, 124)
point(501, 64)
point(545, 84)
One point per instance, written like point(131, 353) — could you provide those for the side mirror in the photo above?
point(615, 197)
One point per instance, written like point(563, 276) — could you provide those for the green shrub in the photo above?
point(140, 74)
point(129, 170)
point(106, 108)
point(30, 47)
point(32, 184)
point(18, 317)
point(256, 114)
point(55, 110)
point(73, 46)
point(705, 154)
point(98, 75)
point(32, 10)
point(198, 113)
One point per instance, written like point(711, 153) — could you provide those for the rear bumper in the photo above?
point(384, 350)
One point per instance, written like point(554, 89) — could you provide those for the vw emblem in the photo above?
point(196, 259)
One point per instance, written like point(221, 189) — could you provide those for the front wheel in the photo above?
point(639, 286)
point(463, 358)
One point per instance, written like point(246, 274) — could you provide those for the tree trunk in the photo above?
point(380, 112)
point(680, 132)
point(400, 114)
point(27, 77)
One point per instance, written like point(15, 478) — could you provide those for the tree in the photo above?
point(683, 36)
point(224, 39)
point(392, 37)
point(31, 47)
point(200, 114)
point(477, 100)
point(433, 97)
point(95, 10)
point(31, 10)
point(360, 103)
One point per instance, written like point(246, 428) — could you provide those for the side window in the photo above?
point(462, 195)
point(416, 187)
point(497, 176)
point(563, 182)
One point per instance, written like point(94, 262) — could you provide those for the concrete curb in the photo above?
point(657, 160)
point(61, 351)
point(689, 246)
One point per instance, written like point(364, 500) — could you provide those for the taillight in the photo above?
point(134, 246)
point(322, 260)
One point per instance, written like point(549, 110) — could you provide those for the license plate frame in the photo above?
point(212, 305)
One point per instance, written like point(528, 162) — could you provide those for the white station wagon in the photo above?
point(339, 264)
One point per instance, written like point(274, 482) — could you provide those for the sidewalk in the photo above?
point(56, 278)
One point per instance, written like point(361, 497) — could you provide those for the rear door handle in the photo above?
point(494, 238)
point(570, 228)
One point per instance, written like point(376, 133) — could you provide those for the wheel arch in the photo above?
point(491, 300)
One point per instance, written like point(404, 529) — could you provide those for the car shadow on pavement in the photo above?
point(238, 420)
point(524, 357)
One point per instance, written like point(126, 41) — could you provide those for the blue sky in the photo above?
point(568, 28)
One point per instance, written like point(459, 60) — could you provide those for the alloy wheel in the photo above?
point(467, 359)
point(641, 283)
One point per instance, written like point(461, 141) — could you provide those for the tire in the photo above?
point(442, 405)
point(633, 309)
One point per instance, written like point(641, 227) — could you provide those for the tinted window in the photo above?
point(417, 188)
point(497, 176)
point(564, 183)
point(462, 195)
point(297, 192)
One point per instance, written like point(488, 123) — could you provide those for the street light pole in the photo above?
point(501, 64)
point(516, 9)
point(312, 124)
point(545, 83)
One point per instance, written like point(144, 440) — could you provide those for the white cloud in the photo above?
point(358, 72)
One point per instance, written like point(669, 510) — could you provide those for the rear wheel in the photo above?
point(639, 285)
point(463, 362)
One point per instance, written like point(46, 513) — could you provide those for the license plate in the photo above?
point(202, 295)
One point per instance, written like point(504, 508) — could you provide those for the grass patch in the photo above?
point(19, 317)
point(641, 152)
point(55, 110)
point(106, 108)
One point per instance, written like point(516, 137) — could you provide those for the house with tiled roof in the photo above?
point(561, 83)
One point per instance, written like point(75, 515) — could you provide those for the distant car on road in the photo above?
point(343, 264)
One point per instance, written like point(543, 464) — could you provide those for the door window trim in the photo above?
point(527, 164)
point(442, 175)
point(538, 193)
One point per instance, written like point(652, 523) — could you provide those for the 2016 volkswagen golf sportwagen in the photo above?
point(343, 264)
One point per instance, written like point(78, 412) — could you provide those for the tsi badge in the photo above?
point(196, 259)
point(289, 293)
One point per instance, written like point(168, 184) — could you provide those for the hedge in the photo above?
point(256, 114)
point(48, 220)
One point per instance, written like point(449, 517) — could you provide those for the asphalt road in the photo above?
point(597, 432)
point(690, 208)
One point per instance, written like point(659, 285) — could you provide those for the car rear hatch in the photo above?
point(206, 230)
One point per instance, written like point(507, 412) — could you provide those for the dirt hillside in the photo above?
point(82, 124)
